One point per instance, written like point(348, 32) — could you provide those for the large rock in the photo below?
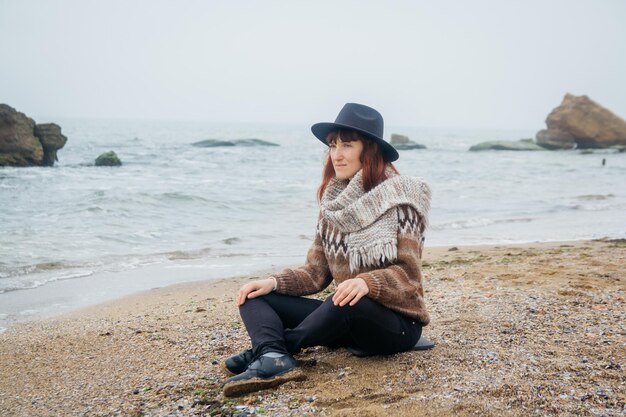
point(51, 139)
point(24, 143)
point(507, 145)
point(18, 144)
point(585, 123)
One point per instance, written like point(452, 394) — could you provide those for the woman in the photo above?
point(368, 240)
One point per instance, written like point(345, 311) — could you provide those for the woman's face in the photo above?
point(346, 158)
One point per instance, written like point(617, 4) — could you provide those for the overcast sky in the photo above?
point(502, 64)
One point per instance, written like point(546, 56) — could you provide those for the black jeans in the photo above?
point(285, 324)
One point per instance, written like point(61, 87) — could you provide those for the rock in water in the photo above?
point(555, 139)
point(18, 144)
point(409, 146)
point(506, 145)
point(580, 122)
point(214, 143)
point(397, 139)
point(108, 159)
point(51, 139)
point(403, 143)
point(23, 143)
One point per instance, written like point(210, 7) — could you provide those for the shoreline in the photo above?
point(520, 329)
point(65, 295)
point(61, 296)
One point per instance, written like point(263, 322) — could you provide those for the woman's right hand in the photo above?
point(255, 289)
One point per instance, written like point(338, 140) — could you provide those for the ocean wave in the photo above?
point(33, 269)
point(591, 207)
point(180, 255)
point(595, 197)
point(594, 202)
point(38, 280)
point(231, 240)
point(588, 202)
point(183, 196)
point(477, 222)
point(33, 276)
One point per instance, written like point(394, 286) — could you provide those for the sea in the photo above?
point(76, 234)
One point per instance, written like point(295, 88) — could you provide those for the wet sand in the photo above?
point(534, 329)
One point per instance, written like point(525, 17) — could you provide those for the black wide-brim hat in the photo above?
point(364, 120)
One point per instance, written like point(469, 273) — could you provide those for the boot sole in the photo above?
point(245, 386)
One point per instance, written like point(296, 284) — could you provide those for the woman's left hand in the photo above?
point(350, 291)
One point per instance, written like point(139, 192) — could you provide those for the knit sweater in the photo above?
point(396, 284)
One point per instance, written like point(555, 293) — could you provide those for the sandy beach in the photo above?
point(534, 329)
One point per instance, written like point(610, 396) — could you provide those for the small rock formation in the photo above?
point(409, 146)
point(51, 139)
point(507, 145)
point(403, 143)
point(555, 139)
point(214, 143)
point(397, 139)
point(24, 143)
point(108, 159)
point(579, 122)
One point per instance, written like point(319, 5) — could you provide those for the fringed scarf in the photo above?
point(366, 219)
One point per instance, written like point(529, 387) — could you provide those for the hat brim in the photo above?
point(321, 131)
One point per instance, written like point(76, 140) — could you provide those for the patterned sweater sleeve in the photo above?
point(310, 278)
point(398, 286)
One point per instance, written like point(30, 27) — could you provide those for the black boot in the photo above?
point(236, 364)
point(422, 344)
point(265, 372)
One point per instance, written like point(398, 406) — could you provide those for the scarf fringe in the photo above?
point(373, 255)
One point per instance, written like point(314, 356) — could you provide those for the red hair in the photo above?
point(373, 164)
